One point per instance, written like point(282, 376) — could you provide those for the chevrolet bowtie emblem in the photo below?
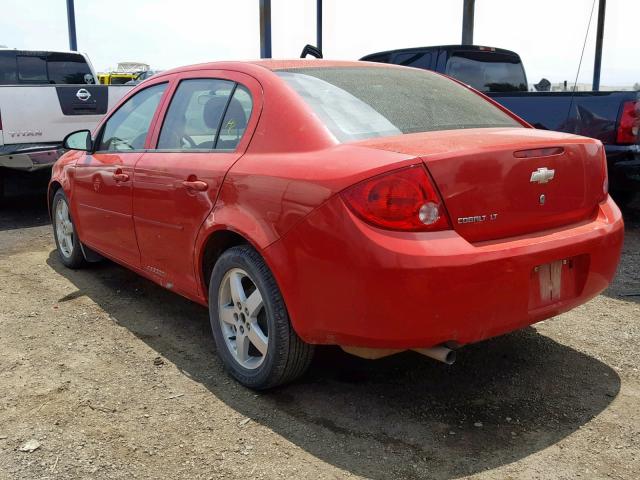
point(542, 175)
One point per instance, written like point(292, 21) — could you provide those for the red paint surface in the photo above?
point(343, 280)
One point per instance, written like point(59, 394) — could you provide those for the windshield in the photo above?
point(488, 71)
point(357, 103)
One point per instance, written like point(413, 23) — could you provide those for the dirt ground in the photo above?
point(116, 378)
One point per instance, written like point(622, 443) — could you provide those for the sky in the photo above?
point(548, 34)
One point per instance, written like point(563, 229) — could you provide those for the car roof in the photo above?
point(273, 65)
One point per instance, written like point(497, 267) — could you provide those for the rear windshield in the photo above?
point(22, 67)
point(488, 71)
point(357, 103)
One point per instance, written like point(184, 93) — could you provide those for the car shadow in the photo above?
point(23, 211)
point(626, 284)
point(405, 416)
point(23, 199)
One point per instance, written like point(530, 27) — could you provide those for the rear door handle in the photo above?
point(197, 185)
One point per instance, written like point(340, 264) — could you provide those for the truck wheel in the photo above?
point(64, 232)
point(250, 324)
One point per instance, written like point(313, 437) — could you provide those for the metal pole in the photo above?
point(599, 37)
point(265, 28)
point(467, 22)
point(71, 21)
point(319, 24)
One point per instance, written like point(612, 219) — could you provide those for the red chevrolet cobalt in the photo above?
point(374, 207)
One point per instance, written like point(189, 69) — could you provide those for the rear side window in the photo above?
point(32, 69)
point(127, 128)
point(357, 103)
point(68, 68)
point(206, 114)
point(195, 113)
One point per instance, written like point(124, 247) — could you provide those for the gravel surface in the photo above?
point(106, 375)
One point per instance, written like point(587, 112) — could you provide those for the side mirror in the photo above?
point(80, 140)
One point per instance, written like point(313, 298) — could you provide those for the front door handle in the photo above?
point(197, 185)
point(118, 176)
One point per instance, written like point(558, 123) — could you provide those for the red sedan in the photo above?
point(375, 207)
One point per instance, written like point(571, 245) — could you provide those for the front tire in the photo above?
point(64, 232)
point(250, 323)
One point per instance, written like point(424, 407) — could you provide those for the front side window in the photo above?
point(206, 114)
point(357, 103)
point(127, 128)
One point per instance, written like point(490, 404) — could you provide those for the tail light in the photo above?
point(401, 200)
point(629, 123)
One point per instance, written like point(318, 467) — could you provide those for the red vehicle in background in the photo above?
point(375, 207)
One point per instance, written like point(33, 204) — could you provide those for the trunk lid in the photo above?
point(490, 193)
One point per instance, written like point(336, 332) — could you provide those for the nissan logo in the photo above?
point(83, 94)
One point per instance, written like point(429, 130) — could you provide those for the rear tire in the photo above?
point(250, 323)
point(64, 232)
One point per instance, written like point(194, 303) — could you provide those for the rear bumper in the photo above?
point(347, 283)
point(29, 157)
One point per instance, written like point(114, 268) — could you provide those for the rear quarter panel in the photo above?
point(265, 195)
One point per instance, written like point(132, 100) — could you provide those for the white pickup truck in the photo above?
point(43, 97)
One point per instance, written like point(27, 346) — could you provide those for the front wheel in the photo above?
point(64, 232)
point(250, 324)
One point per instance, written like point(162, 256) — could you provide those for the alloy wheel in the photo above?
point(243, 319)
point(64, 229)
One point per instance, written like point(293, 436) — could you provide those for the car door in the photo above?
point(103, 185)
point(206, 128)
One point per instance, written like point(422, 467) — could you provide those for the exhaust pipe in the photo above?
point(440, 353)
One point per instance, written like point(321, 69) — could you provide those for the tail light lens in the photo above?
point(401, 200)
point(629, 123)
